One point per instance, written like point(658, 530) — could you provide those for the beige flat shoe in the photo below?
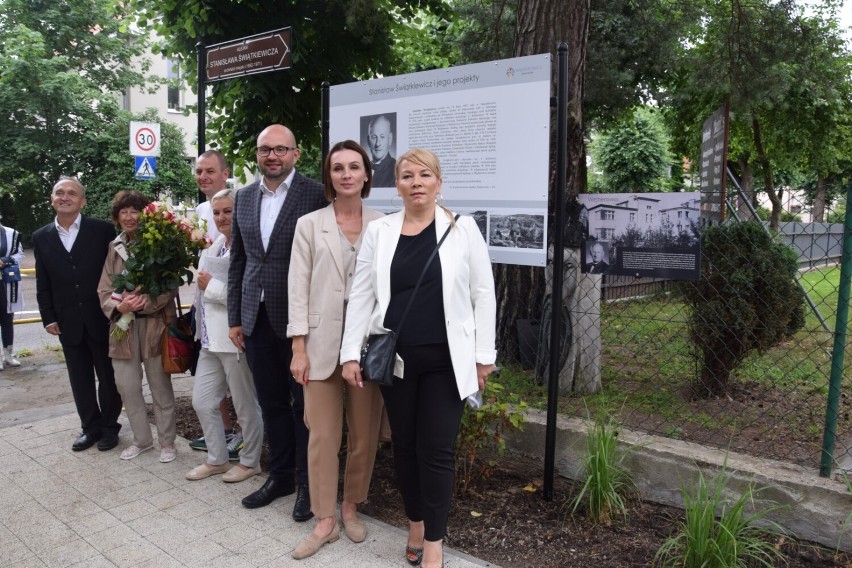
point(205, 470)
point(355, 529)
point(237, 474)
point(312, 544)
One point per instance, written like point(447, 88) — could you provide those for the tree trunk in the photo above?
point(541, 25)
point(769, 186)
point(818, 210)
point(747, 185)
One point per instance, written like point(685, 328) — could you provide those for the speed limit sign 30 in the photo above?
point(144, 139)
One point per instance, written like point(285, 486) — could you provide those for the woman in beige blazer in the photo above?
point(141, 346)
point(325, 249)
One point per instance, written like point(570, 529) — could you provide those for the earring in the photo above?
point(439, 200)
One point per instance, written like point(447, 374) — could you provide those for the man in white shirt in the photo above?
point(211, 176)
point(70, 254)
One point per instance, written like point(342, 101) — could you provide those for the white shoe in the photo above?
point(8, 358)
point(131, 452)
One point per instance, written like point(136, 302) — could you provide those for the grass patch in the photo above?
point(607, 482)
point(718, 531)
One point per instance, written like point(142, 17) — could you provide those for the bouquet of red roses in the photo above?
point(160, 257)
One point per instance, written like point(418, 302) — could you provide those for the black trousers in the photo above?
point(281, 399)
point(99, 407)
point(424, 410)
point(7, 328)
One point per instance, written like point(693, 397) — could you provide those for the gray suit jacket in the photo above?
point(254, 270)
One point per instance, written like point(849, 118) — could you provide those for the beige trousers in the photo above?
point(128, 380)
point(324, 418)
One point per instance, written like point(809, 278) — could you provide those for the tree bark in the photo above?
point(818, 210)
point(769, 185)
point(747, 185)
point(541, 26)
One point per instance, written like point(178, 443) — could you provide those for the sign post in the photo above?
point(259, 53)
point(250, 55)
point(714, 156)
point(144, 139)
point(145, 167)
point(145, 147)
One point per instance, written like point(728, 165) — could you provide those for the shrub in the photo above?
point(746, 300)
point(730, 540)
point(606, 480)
point(481, 432)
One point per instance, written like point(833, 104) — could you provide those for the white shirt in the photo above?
point(205, 211)
point(271, 203)
point(68, 237)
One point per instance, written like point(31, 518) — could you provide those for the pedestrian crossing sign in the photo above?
point(146, 167)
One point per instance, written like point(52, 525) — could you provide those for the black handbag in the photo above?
point(378, 355)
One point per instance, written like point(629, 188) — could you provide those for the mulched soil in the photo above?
point(505, 520)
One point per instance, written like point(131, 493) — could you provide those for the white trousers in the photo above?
point(216, 373)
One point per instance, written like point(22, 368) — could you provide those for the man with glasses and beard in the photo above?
point(262, 229)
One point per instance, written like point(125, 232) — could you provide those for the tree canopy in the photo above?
point(337, 41)
point(634, 154)
point(62, 66)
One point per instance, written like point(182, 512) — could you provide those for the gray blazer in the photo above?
point(254, 270)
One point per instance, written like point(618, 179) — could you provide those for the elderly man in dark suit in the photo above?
point(69, 255)
point(262, 229)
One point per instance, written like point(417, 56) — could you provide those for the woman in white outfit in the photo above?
point(220, 366)
point(11, 252)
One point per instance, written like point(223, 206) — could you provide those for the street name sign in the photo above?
point(269, 51)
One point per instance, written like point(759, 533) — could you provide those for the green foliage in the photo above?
point(765, 214)
point(61, 65)
point(482, 432)
point(746, 300)
point(837, 215)
point(789, 102)
point(731, 540)
point(607, 482)
point(112, 167)
point(634, 154)
point(485, 30)
point(338, 41)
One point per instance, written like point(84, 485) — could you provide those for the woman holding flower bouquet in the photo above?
point(137, 321)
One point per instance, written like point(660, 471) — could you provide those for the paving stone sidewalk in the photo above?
point(91, 509)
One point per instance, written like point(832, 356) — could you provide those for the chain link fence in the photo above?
point(632, 348)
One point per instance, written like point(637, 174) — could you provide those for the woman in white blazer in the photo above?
point(445, 349)
point(325, 249)
point(11, 252)
point(220, 366)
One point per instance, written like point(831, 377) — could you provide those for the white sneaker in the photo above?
point(168, 454)
point(131, 452)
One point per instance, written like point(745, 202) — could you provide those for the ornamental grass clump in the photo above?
point(719, 531)
point(159, 259)
point(607, 482)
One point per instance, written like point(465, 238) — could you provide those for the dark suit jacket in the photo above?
point(597, 268)
point(252, 269)
point(384, 175)
point(67, 282)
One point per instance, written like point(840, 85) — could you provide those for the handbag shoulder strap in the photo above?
point(423, 272)
point(16, 238)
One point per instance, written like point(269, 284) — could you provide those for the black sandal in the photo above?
point(413, 556)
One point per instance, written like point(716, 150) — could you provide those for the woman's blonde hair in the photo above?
point(427, 159)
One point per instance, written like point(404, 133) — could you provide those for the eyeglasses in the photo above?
point(280, 151)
